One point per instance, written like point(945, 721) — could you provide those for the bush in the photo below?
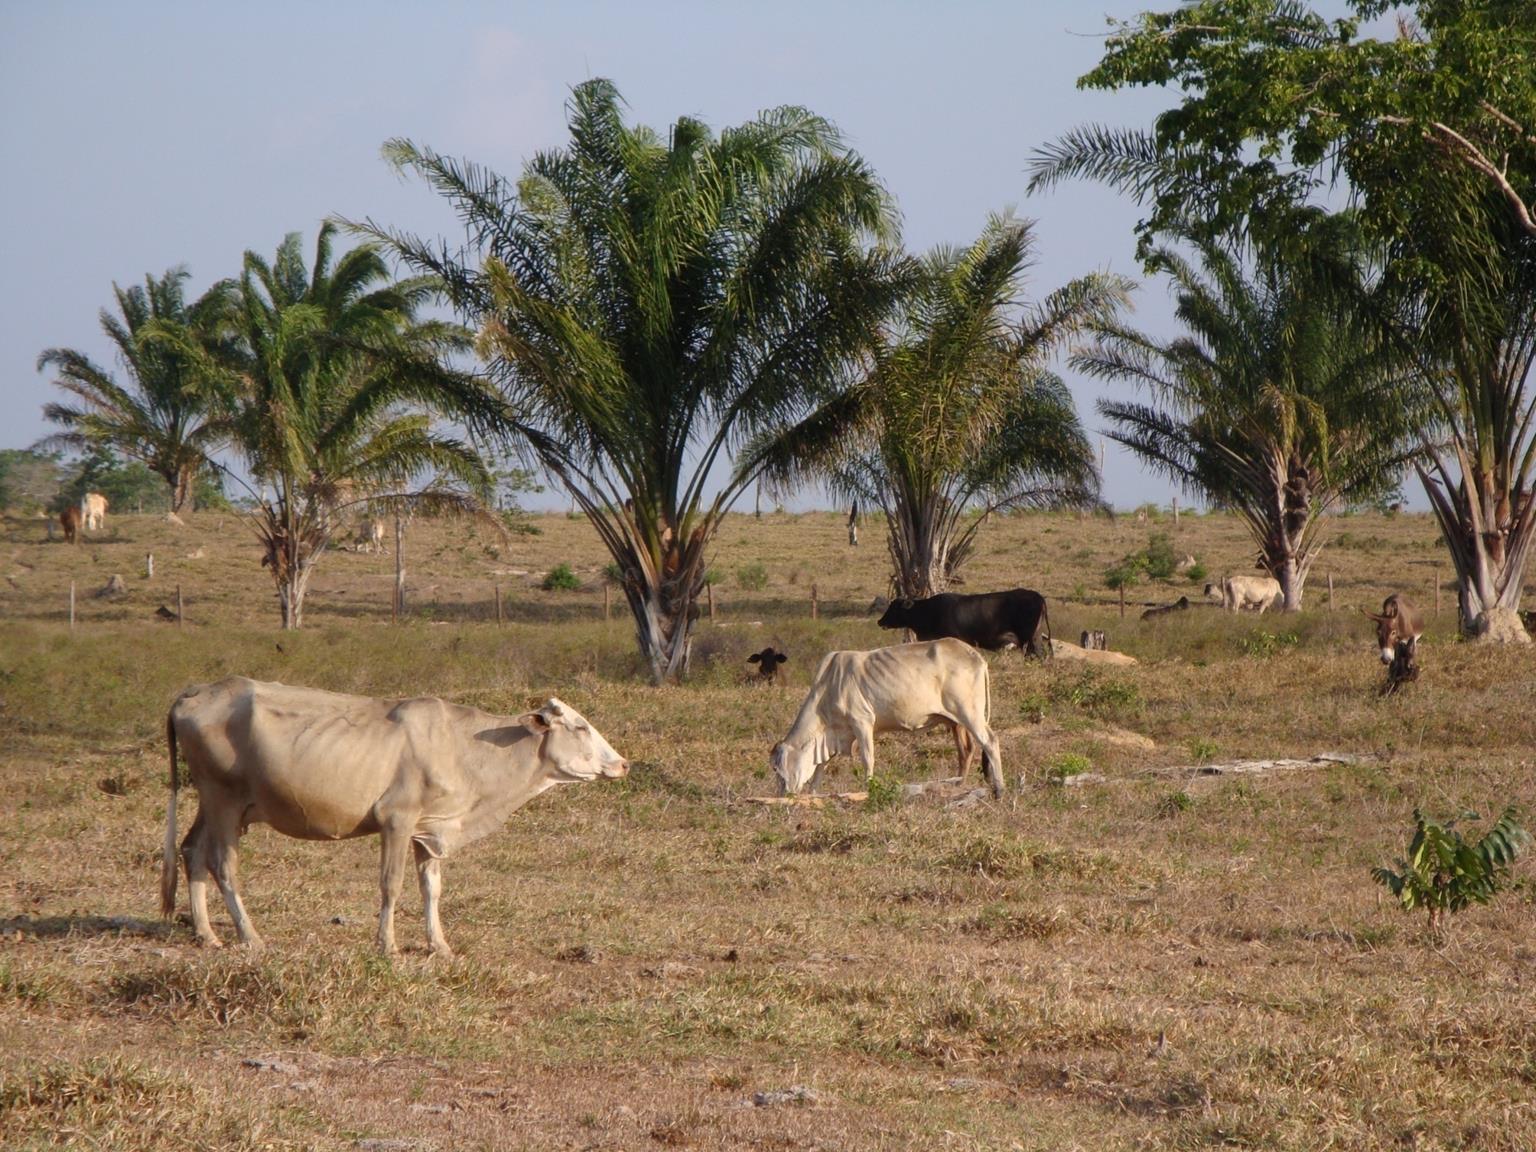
point(752, 577)
point(1443, 873)
point(1068, 764)
point(1159, 560)
point(560, 578)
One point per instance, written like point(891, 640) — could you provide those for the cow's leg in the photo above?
point(394, 847)
point(223, 841)
point(991, 750)
point(429, 876)
point(194, 856)
point(864, 745)
point(965, 749)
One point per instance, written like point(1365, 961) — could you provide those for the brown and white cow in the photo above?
point(93, 511)
point(1245, 593)
point(428, 776)
point(907, 687)
point(1398, 624)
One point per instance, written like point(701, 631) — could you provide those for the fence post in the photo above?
point(179, 616)
point(497, 586)
point(709, 590)
point(607, 599)
point(1330, 591)
point(1437, 587)
point(815, 602)
point(1122, 601)
point(149, 565)
point(71, 605)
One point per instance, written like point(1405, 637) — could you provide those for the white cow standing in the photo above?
point(1245, 593)
point(857, 695)
point(93, 511)
point(427, 775)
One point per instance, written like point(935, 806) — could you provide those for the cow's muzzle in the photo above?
point(616, 770)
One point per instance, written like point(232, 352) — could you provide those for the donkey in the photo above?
point(1398, 624)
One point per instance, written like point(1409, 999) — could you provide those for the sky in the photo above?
point(139, 136)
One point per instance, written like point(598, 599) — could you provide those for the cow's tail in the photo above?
point(168, 868)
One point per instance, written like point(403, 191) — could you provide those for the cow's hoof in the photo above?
point(209, 942)
point(254, 944)
point(439, 952)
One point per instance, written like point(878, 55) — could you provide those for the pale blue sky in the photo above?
point(138, 136)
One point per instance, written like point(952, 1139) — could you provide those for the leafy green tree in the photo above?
point(651, 304)
point(1281, 401)
point(959, 416)
point(1444, 873)
point(1435, 133)
point(30, 478)
point(161, 415)
point(330, 401)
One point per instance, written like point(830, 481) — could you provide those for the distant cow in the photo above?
point(93, 511)
point(1245, 593)
point(370, 535)
point(428, 776)
point(1399, 623)
point(857, 695)
point(1179, 605)
point(69, 520)
point(991, 620)
point(768, 662)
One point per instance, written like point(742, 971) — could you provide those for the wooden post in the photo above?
point(398, 608)
point(1437, 588)
point(1330, 591)
point(709, 590)
point(497, 589)
point(179, 616)
point(1122, 601)
point(71, 605)
point(815, 603)
point(1175, 511)
point(149, 565)
point(608, 599)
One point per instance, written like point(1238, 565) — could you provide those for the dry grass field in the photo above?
point(1167, 958)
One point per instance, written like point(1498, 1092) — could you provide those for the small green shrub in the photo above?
point(1159, 559)
point(884, 792)
point(1202, 751)
point(1196, 573)
point(713, 575)
point(1265, 644)
point(560, 578)
point(1443, 873)
point(1097, 695)
point(752, 577)
point(1032, 707)
point(1068, 764)
point(613, 573)
point(1174, 803)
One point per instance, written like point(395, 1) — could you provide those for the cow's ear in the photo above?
point(536, 721)
point(783, 658)
point(755, 658)
point(906, 601)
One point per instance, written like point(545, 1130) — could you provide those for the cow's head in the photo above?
point(1393, 631)
point(768, 661)
point(572, 747)
point(794, 767)
point(898, 615)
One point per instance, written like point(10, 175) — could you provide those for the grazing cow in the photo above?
point(93, 511)
point(1179, 605)
point(370, 535)
point(857, 695)
point(428, 776)
point(69, 520)
point(767, 662)
point(989, 620)
point(1399, 623)
point(1245, 593)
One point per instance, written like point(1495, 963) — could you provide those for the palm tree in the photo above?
point(1283, 400)
point(330, 402)
point(161, 416)
point(651, 304)
point(958, 416)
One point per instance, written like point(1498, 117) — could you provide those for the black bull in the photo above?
point(990, 620)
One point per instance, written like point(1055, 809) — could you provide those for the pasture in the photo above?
point(1165, 958)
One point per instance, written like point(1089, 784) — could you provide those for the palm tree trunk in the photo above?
point(1489, 536)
